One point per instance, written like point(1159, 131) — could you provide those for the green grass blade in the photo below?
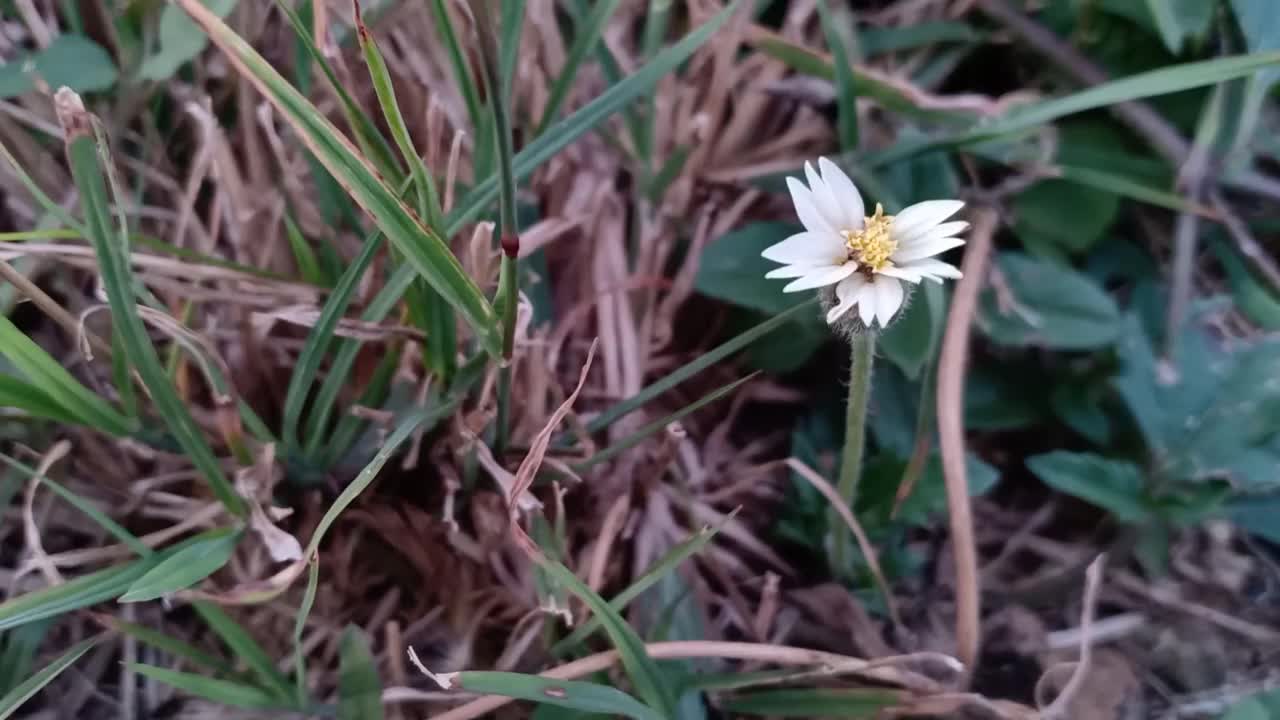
point(814, 702)
point(81, 592)
point(368, 138)
point(243, 646)
point(422, 247)
point(667, 563)
point(15, 393)
point(429, 313)
point(640, 435)
point(643, 671)
point(106, 523)
point(168, 644)
point(1163, 81)
point(185, 568)
point(14, 699)
point(318, 341)
point(370, 471)
point(556, 137)
point(303, 256)
point(47, 375)
point(111, 248)
point(462, 72)
point(20, 648)
point(349, 426)
point(695, 366)
point(300, 624)
point(585, 37)
point(512, 23)
point(359, 690)
point(573, 694)
point(224, 692)
point(846, 89)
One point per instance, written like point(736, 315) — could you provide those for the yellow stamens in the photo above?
point(872, 245)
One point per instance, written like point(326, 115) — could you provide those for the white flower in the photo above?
point(867, 258)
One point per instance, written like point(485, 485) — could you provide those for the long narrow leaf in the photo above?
point(572, 694)
point(639, 436)
point(168, 644)
point(224, 692)
point(48, 377)
point(242, 644)
point(667, 563)
point(644, 673)
point(111, 247)
point(186, 568)
point(14, 699)
point(421, 246)
point(585, 37)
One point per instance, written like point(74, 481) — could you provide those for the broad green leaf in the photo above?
point(1045, 304)
point(1262, 706)
point(186, 567)
point(425, 250)
point(732, 269)
point(224, 692)
point(1063, 214)
point(572, 694)
point(111, 246)
point(1082, 410)
point(1177, 20)
point(1114, 485)
point(911, 336)
point(814, 702)
point(13, 700)
point(1257, 301)
point(1212, 413)
point(359, 690)
point(71, 60)
point(49, 382)
point(180, 40)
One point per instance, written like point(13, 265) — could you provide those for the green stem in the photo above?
point(855, 439)
point(508, 292)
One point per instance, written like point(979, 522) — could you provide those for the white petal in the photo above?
point(845, 192)
point(933, 269)
point(807, 210)
point(889, 295)
point(821, 277)
point(902, 273)
point(926, 248)
point(867, 305)
point(946, 229)
point(922, 217)
point(808, 248)
point(847, 291)
point(789, 271)
point(824, 199)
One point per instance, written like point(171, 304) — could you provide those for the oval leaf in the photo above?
point(1046, 304)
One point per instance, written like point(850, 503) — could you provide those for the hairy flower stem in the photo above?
point(855, 439)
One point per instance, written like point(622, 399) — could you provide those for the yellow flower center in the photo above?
point(871, 246)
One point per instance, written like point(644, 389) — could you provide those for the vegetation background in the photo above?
point(299, 298)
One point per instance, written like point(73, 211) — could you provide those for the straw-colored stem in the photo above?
point(855, 438)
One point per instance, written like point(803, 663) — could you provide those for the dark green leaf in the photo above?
point(1042, 303)
point(180, 40)
point(1114, 485)
point(71, 60)
point(1063, 214)
point(223, 692)
point(359, 690)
